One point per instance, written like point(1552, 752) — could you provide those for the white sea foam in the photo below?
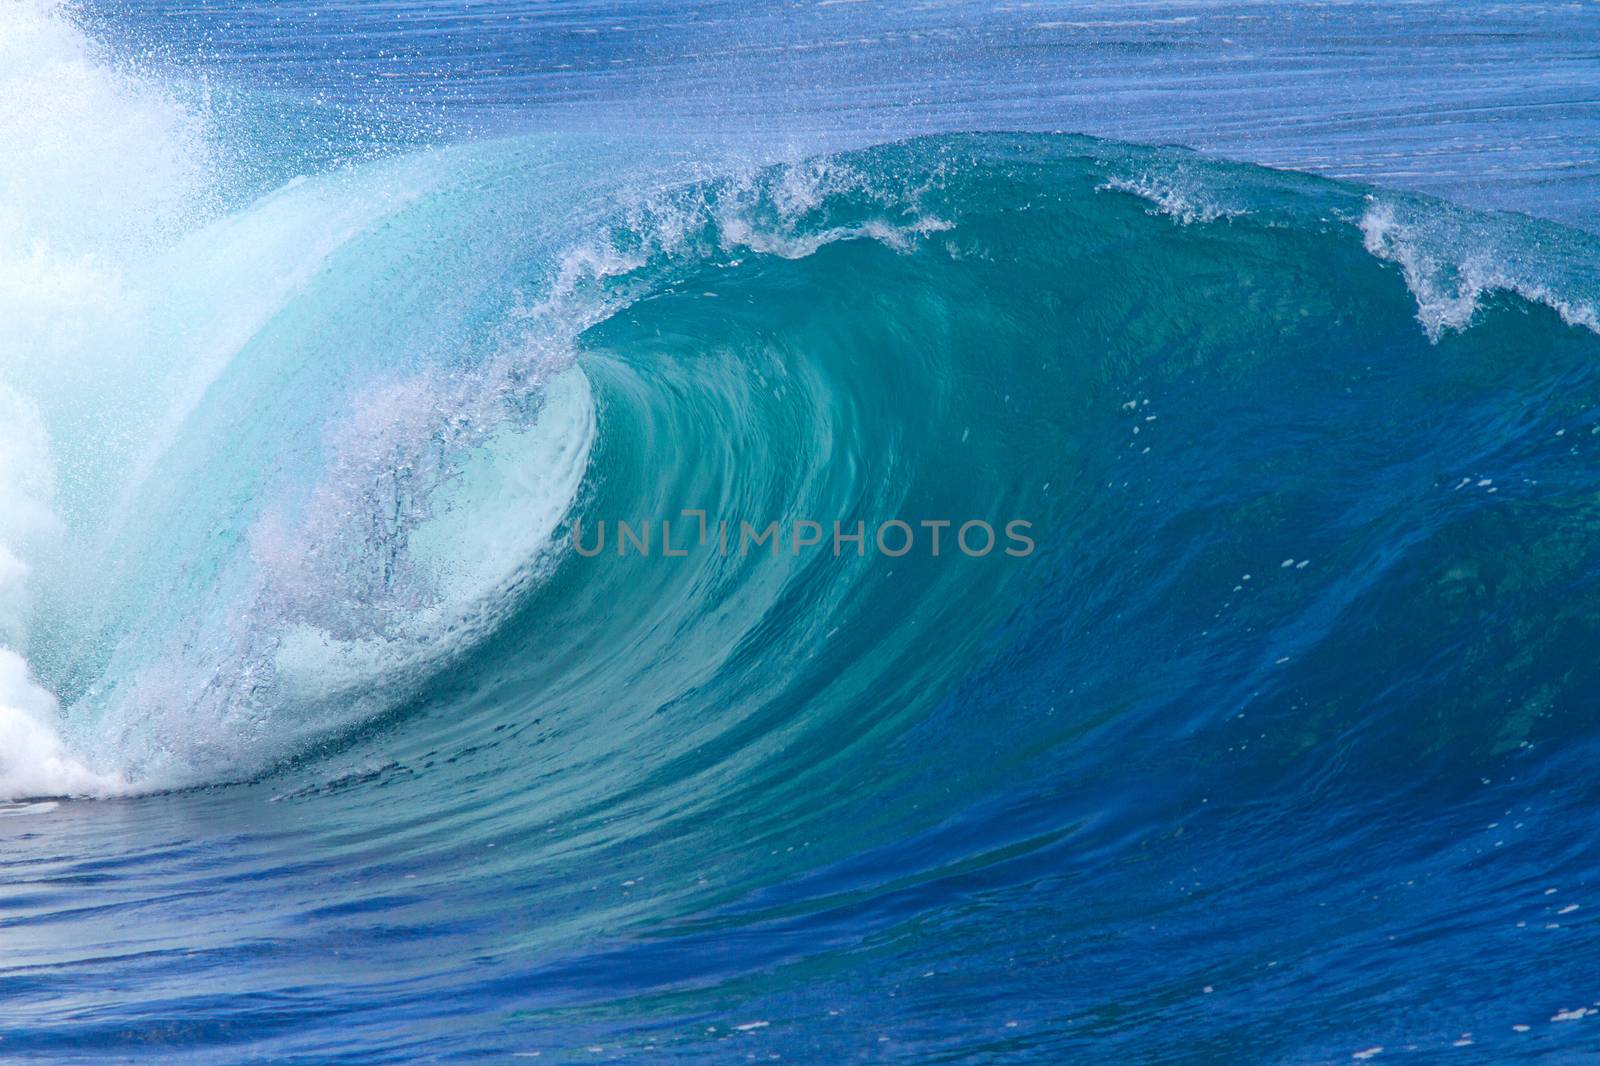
point(779, 211)
point(34, 760)
point(1179, 199)
point(1451, 263)
point(775, 214)
point(97, 161)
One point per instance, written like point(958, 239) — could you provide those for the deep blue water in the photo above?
point(333, 336)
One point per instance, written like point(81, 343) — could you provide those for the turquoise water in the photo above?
point(323, 738)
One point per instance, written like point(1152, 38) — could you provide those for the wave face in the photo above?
point(1280, 732)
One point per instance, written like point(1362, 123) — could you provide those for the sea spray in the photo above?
point(34, 760)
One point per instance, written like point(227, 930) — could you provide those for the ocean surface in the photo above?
point(332, 335)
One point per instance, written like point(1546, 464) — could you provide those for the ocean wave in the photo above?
point(335, 417)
